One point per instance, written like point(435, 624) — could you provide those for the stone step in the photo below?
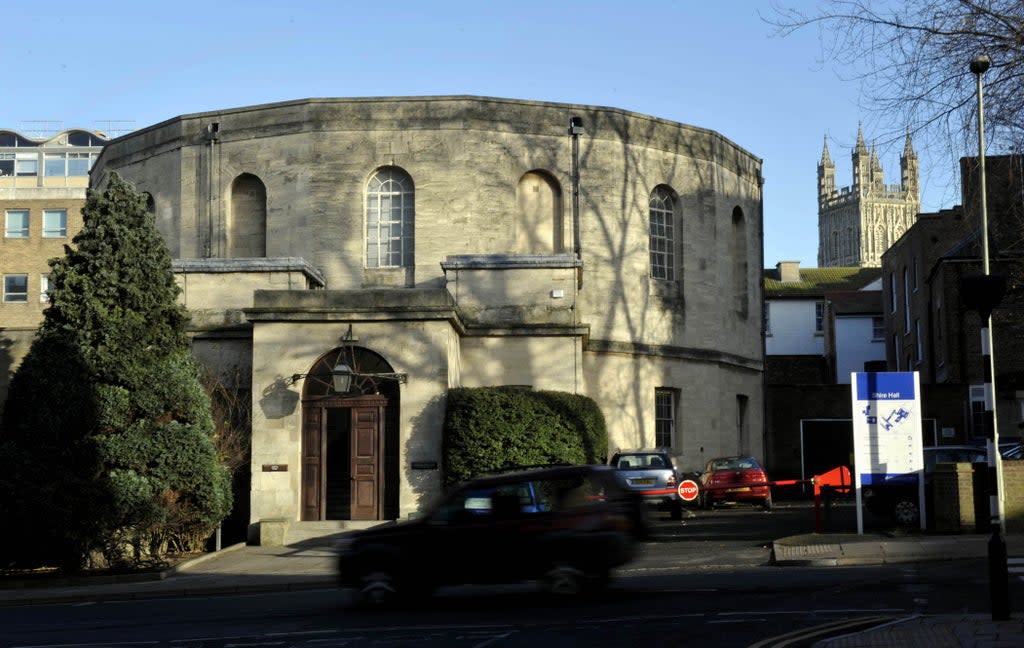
point(325, 531)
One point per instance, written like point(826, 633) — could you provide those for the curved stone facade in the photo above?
point(442, 236)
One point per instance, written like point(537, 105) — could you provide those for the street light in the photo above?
point(999, 588)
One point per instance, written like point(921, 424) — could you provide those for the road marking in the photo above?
point(1016, 566)
point(828, 629)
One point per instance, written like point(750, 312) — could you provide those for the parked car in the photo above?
point(898, 499)
point(1010, 447)
point(565, 526)
point(652, 474)
point(736, 478)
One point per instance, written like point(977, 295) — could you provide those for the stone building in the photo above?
point(435, 242)
point(42, 191)
point(857, 224)
point(931, 326)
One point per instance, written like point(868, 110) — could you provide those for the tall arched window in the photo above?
point(662, 234)
point(539, 228)
point(247, 218)
point(390, 219)
point(738, 250)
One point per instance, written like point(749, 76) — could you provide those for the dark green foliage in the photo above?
point(106, 447)
point(496, 427)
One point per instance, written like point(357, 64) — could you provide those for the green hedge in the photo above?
point(490, 428)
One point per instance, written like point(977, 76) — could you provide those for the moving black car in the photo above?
point(566, 526)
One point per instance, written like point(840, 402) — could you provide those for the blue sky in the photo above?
point(713, 64)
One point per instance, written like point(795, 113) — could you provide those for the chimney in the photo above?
point(788, 270)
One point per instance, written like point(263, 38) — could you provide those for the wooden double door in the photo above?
point(343, 458)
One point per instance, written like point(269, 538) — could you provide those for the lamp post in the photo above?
point(999, 589)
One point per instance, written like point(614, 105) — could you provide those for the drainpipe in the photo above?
point(212, 133)
point(575, 130)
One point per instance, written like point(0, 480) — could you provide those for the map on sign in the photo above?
point(887, 445)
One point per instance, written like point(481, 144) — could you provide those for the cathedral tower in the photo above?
point(857, 224)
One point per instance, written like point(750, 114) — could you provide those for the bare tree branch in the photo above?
point(910, 60)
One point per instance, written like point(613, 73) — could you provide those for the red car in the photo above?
point(735, 479)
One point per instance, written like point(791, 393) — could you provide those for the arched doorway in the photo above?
point(350, 440)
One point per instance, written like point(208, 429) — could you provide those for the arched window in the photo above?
point(539, 224)
point(390, 219)
point(738, 249)
point(247, 218)
point(662, 234)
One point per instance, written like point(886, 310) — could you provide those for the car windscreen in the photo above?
point(734, 463)
point(640, 461)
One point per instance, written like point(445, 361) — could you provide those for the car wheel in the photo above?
point(676, 512)
point(564, 580)
point(597, 582)
point(905, 512)
point(767, 503)
point(378, 588)
point(706, 502)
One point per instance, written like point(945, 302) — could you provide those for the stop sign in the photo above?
point(687, 490)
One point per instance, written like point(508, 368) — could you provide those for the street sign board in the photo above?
point(687, 490)
point(887, 447)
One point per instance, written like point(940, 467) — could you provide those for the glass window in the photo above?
point(979, 411)
point(17, 223)
point(15, 288)
point(390, 219)
point(44, 288)
point(662, 235)
point(664, 418)
point(893, 299)
point(53, 164)
point(26, 164)
point(55, 223)
point(6, 164)
point(877, 328)
point(920, 343)
point(767, 318)
point(79, 164)
point(819, 317)
point(906, 301)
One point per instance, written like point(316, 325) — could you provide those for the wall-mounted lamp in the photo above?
point(343, 376)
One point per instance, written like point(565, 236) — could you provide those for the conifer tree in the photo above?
point(106, 447)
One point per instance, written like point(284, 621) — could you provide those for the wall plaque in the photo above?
point(275, 467)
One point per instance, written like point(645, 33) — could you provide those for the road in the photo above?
point(700, 581)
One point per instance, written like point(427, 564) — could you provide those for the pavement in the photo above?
point(309, 564)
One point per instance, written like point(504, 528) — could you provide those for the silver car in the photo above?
point(652, 474)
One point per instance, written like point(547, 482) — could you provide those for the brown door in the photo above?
point(313, 483)
point(365, 469)
point(367, 453)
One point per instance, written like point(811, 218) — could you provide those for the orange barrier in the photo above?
point(837, 479)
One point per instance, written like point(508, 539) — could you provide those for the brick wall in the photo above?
point(961, 498)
